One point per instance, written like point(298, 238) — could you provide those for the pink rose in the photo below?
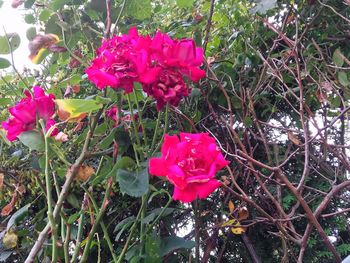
point(121, 61)
point(190, 164)
point(180, 54)
point(24, 113)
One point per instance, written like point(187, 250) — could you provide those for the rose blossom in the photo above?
point(25, 112)
point(190, 164)
point(121, 61)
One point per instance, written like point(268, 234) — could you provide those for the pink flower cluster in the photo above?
point(190, 164)
point(27, 110)
point(158, 63)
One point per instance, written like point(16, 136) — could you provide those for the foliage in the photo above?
point(276, 100)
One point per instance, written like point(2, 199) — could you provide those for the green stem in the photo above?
point(166, 123)
point(66, 244)
point(80, 232)
point(135, 126)
point(97, 222)
point(103, 226)
point(156, 130)
point(49, 197)
point(139, 111)
point(160, 214)
point(132, 231)
point(142, 226)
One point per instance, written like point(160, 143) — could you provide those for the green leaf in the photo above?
point(13, 39)
point(172, 243)
point(152, 249)
point(57, 4)
point(18, 216)
point(343, 78)
point(33, 140)
point(338, 58)
point(5, 101)
point(154, 213)
point(45, 15)
point(126, 163)
point(4, 63)
point(73, 218)
point(31, 33)
point(29, 3)
point(133, 183)
point(123, 225)
point(139, 9)
point(78, 106)
point(184, 3)
point(29, 19)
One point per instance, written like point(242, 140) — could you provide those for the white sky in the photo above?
point(12, 19)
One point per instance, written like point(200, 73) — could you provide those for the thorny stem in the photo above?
point(97, 221)
point(132, 231)
point(103, 226)
point(72, 171)
point(135, 126)
point(49, 196)
point(156, 130)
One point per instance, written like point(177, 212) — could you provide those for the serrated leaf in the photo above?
point(139, 9)
point(338, 58)
point(4, 63)
point(152, 249)
point(33, 140)
point(133, 183)
point(13, 39)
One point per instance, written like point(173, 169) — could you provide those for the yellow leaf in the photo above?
point(10, 240)
point(237, 230)
point(232, 222)
point(231, 206)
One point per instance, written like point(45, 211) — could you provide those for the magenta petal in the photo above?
point(157, 167)
point(49, 124)
point(101, 79)
point(203, 190)
point(169, 145)
point(150, 75)
point(196, 74)
point(176, 176)
point(133, 32)
point(14, 128)
point(184, 195)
